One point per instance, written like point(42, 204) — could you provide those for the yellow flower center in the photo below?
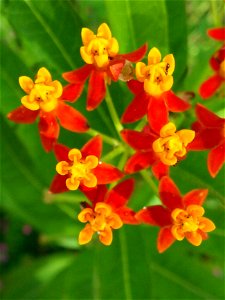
point(222, 69)
point(172, 145)
point(187, 223)
point(99, 48)
point(157, 75)
point(78, 170)
point(43, 93)
point(101, 220)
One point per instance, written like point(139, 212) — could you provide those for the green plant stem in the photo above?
point(149, 180)
point(62, 198)
point(115, 152)
point(106, 138)
point(113, 112)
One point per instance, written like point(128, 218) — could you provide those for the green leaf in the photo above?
point(23, 188)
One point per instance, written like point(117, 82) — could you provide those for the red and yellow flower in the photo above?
point(152, 90)
point(157, 150)
point(44, 99)
point(103, 63)
point(179, 217)
point(210, 135)
point(82, 168)
point(107, 211)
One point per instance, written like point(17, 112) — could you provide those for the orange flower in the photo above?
point(152, 90)
point(44, 99)
point(179, 217)
point(157, 150)
point(100, 52)
point(82, 168)
point(107, 211)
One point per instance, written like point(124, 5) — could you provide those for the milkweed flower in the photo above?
point(44, 99)
point(178, 217)
point(160, 151)
point(210, 135)
point(152, 90)
point(217, 62)
point(108, 210)
point(103, 63)
point(82, 168)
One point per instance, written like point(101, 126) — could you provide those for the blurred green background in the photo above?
point(40, 257)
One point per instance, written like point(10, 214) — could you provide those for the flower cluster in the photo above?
point(158, 145)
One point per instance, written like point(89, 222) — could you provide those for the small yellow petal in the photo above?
point(140, 71)
point(154, 56)
point(206, 225)
point(26, 83)
point(168, 129)
point(106, 236)
point(170, 61)
point(186, 136)
point(166, 83)
point(32, 105)
point(72, 185)
point(74, 155)
point(62, 168)
point(113, 47)
point(85, 215)
point(86, 35)
point(101, 60)
point(88, 58)
point(43, 76)
point(104, 31)
point(90, 180)
point(91, 161)
point(85, 235)
point(194, 238)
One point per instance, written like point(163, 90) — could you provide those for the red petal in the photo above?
point(93, 147)
point(79, 75)
point(136, 109)
point(96, 194)
point(23, 115)
point(158, 114)
point(208, 118)
point(206, 139)
point(138, 140)
point(72, 91)
point(156, 215)
point(210, 86)
point(49, 130)
point(96, 89)
point(61, 152)
point(216, 160)
point(137, 54)
point(106, 173)
point(139, 161)
point(170, 194)
point(214, 63)
point(58, 184)
point(165, 239)
point(135, 86)
point(196, 197)
point(176, 104)
point(120, 194)
point(71, 119)
point(127, 215)
point(159, 170)
point(115, 68)
point(217, 33)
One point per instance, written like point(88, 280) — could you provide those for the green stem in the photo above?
point(106, 120)
point(62, 198)
point(113, 112)
point(146, 176)
point(141, 124)
point(115, 152)
point(67, 210)
point(106, 138)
